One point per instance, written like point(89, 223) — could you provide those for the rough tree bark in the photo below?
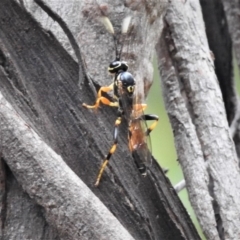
point(49, 142)
point(220, 44)
point(193, 99)
point(44, 131)
point(232, 14)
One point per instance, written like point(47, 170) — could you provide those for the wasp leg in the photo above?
point(102, 99)
point(105, 89)
point(150, 117)
point(146, 117)
point(111, 151)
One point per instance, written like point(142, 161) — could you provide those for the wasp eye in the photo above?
point(130, 88)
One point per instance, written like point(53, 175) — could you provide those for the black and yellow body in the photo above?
point(123, 88)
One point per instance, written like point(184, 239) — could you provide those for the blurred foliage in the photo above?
point(236, 77)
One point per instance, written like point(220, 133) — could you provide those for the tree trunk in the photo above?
point(194, 102)
point(52, 147)
point(232, 14)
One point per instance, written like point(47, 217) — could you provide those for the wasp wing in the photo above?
point(139, 141)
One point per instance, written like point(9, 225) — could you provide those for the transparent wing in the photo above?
point(139, 141)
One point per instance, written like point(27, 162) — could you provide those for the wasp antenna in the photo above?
point(107, 23)
point(125, 24)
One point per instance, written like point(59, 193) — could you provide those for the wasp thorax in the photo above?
point(117, 66)
point(127, 81)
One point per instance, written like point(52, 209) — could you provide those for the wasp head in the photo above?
point(117, 67)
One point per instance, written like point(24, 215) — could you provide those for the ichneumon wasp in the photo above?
point(129, 107)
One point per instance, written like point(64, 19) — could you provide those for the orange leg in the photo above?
point(138, 108)
point(102, 99)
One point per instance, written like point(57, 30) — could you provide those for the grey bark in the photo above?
point(193, 97)
point(187, 143)
point(40, 80)
point(70, 206)
point(220, 43)
point(232, 13)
